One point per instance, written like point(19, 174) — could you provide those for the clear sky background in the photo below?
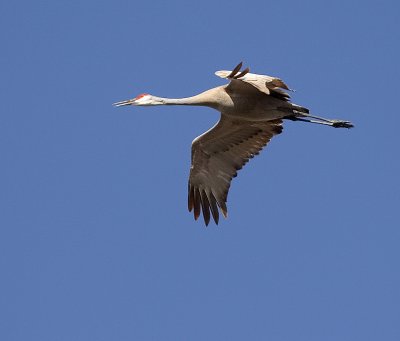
point(95, 240)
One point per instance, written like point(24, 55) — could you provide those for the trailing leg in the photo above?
point(306, 117)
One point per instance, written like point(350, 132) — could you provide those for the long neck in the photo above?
point(206, 98)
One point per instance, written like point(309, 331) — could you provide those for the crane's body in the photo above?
point(252, 109)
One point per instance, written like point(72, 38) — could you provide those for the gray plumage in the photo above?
point(252, 108)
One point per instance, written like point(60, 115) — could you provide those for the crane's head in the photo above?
point(142, 99)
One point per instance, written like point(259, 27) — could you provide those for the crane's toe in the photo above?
point(342, 124)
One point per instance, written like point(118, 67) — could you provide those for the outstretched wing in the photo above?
point(217, 155)
point(240, 81)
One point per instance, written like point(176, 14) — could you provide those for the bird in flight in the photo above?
point(252, 108)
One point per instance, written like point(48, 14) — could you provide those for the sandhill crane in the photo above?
point(252, 108)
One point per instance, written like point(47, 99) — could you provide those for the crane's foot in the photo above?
point(342, 124)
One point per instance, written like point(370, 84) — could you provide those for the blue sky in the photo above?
point(95, 239)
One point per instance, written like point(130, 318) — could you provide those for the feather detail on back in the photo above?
point(269, 85)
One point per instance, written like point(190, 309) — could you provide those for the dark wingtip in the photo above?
point(235, 70)
point(190, 198)
point(224, 209)
point(196, 204)
point(205, 207)
point(243, 73)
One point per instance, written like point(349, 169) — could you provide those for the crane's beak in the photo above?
point(122, 103)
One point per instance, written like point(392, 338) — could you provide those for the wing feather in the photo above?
point(267, 84)
point(217, 155)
